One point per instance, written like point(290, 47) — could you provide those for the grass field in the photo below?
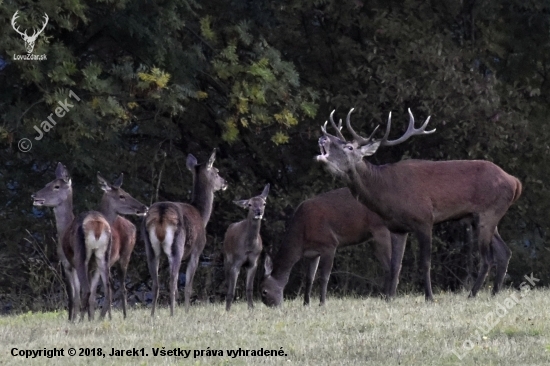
point(346, 331)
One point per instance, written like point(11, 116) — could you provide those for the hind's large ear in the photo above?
point(62, 173)
point(212, 159)
point(103, 183)
point(241, 203)
point(191, 162)
point(265, 192)
point(268, 265)
point(118, 182)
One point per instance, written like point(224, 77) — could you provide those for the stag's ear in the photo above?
point(62, 173)
point(212, 159)
point(118, 182)
point(265, 192)
point(191, 162)
point(103, 183)
point(370, 148)
point(268, 265)
point(241, 203)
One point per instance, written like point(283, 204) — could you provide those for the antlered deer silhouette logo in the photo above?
point(29, 40)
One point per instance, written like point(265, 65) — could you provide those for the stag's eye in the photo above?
point(350, 148)
point(122, 197)
point(56, 187)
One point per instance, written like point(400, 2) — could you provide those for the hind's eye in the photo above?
point(121, 197)
point(56, 187)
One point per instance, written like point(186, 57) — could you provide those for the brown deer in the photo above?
point(318, 227)
point(179, 229)
point(123, 231)
point(242, 245)
point(413, 195)
point(80, 240)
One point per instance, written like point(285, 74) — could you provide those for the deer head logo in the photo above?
point(29, 40)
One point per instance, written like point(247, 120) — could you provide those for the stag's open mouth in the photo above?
point(324, 151)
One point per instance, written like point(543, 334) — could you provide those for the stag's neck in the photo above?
point(203, 200)
point(108, 211)
point(367, 181)
point(63, 217)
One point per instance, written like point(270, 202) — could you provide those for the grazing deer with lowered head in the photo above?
point(179, 229)
point(80, 240)
point(116, 201)
point(413, 195)
point(242, 245)
point(318, 227)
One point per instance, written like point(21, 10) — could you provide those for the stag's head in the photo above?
point(341, 156)
point(119, 200)
point(29, 40)
point(272, 292)
point(255, 205)
point(57, 191)
point(206, 174)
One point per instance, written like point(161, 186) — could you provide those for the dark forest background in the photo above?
point(256, 79)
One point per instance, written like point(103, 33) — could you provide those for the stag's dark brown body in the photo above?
point(318, 227)
point(413, 195)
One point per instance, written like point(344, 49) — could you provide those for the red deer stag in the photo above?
point(123, 231)
point(179, 229)
point(413, 195)
point(80, 239)
point(242, 245)
point(318, 227)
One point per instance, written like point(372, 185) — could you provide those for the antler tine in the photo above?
point(324, 128)
point(411, 131)
point(337, 128)
point(359, 139)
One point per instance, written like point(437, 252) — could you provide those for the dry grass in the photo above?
point(346, 331)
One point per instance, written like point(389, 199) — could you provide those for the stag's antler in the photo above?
point(411, 131)
point(359, 139)
point(337, 128)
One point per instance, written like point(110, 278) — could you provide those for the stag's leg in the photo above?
point(485, 234)
point(425, 241)
point(325, 267)
point(398, 243)
point(250, 275)
point(502, 257)
point(382, 251)
point(231, 274)
point(310, 277)
point(189, 275)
